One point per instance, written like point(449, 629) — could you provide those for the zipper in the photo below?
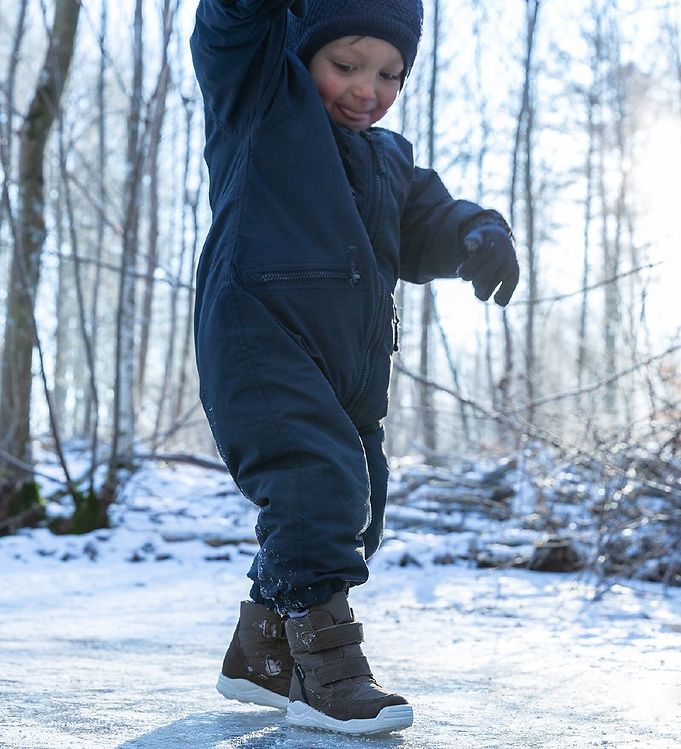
point(372, 223)
point(355, 275)
point(396, 329)
point(366, 364)
point(352, 277)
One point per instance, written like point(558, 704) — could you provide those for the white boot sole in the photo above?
point(393, 718)
point(243, 690)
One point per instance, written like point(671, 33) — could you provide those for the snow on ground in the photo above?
point(113, 640)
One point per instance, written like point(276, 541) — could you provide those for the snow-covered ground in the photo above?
point(114, 639)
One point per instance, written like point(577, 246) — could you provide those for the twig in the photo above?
point(27, 468)
point(504, 415)
point(495, 415)
point(196, 460)
point(593, 287)
point(596, 385)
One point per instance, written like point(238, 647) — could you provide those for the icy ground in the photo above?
point(114, 640)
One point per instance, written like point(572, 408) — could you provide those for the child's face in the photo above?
point(358, 79)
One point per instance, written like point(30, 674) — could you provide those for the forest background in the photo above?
point(564, 116)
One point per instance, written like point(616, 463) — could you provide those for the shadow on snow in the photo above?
point(262, 729)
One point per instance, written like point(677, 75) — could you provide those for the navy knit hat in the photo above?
point(398, 22)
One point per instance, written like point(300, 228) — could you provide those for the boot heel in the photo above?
point(245, 691)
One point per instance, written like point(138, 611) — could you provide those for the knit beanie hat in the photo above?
point(398, 22)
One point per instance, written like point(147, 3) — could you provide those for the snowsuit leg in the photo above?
point(291, 448)
point(377, 464)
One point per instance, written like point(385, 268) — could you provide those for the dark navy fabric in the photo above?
point(398, 22)
point(294, 325)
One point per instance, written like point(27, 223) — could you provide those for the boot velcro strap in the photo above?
point(351, 633)
point(343, 668)
point(273, 630)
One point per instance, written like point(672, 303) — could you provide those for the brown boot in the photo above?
point(332, 686)
point(258, 665)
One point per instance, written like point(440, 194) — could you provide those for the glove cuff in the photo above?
point(485, 218)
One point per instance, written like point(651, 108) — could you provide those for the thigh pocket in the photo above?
point(328, 310)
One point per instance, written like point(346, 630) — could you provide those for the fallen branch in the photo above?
point(195, 460)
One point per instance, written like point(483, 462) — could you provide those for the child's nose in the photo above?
point(365, 90)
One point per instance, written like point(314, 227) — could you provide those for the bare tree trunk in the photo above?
point(523, 150)
point(98, 516)
point(7, 122)
point(192, 202)
point(157, 114)
point(674, 36)
point(15, 392)
point(426, 404)
point(454, 372)
point(63, 334)
point(532, 262)
point(396, 381)
point(588, 218)
point(124, 417)
point(613, 259)
point(482, 107)
point(91, 417)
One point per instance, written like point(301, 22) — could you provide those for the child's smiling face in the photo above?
point(358, 79)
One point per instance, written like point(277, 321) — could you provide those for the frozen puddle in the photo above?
point(103, 655)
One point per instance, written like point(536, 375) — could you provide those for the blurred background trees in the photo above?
point(565, 117)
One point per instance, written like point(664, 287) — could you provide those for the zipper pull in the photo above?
point(355, 275)
point(396, 330)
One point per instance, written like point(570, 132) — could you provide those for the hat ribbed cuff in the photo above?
point(387, 29)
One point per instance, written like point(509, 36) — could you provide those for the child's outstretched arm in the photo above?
point(238, 48)
point(446, 238)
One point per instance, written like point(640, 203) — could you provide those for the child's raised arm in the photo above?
point(238, 48)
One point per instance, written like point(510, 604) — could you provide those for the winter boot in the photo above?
point(332, 686)
point(258, 665)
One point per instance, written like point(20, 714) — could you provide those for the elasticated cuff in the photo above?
point(299, 600)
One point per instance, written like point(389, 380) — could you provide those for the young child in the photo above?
point(316, 214)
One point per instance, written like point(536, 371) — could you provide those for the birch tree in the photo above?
point(426, 403)
point(523, 171)
point(123, 438)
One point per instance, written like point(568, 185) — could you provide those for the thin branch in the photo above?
point(170, 279)
point(494, 415)
point(504, 415)
point(27, 468)
point(593, 287)
point(195, 460)
point(601, 383)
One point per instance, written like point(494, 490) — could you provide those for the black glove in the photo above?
point(491, 261)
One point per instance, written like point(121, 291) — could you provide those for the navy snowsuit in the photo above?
point(295, 323)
